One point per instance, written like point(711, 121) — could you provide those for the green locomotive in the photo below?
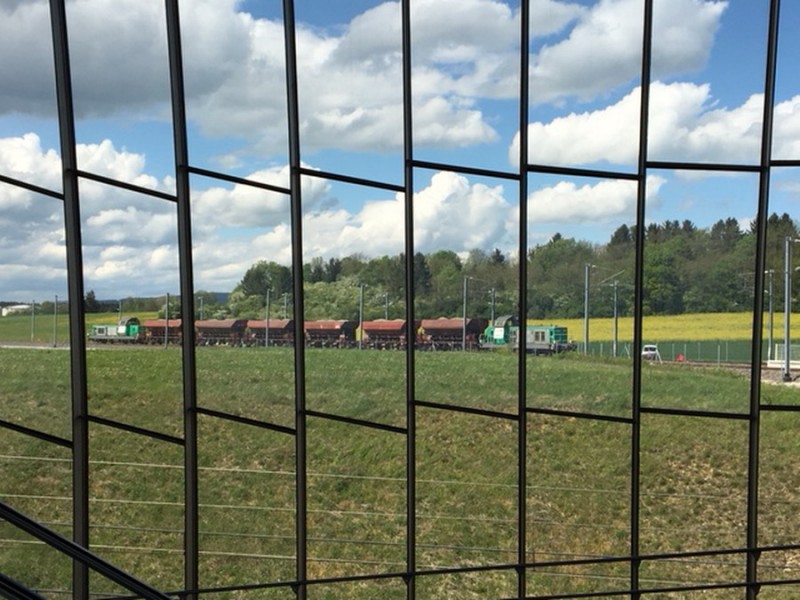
point(504, 332)
point(127, 331)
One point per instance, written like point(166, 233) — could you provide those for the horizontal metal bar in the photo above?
point(36, 433)
point(137, 430)
point(32, 188)
point(359, 422)
point(785, 163)
point(780, 408)
point(467, 409)
point(578, 415)
point(436, 166)
point(391, 187)
point(238, 180)
point(463, 570)
point(709, 414)
point(687, 166)
point(245, 420)
point(578, 172)
point(606, 594)
point(127, 186)
point(79, 553)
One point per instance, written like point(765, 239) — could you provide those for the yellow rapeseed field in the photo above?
point(689, 327)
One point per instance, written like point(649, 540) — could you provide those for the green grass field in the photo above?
point(693, 470)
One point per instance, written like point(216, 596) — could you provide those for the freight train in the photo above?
point(382, 334)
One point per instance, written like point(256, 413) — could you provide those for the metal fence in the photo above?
point(520, 507)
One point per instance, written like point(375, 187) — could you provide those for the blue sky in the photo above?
point(706, 107)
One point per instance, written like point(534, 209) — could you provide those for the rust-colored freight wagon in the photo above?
point(330, 334)
point(385, 334)
point(449, 334)
point(278, 332)
point(216, 332)
point(159, 331)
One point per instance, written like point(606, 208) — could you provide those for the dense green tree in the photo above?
point(724, 234)
point(170, 308)
point(352, 265)
point(266, 275)
point(314, 271)
point(497, 257)
point(663, 289)
point(422, 274)
point(90, 303)
point(447, 276)
point(336, 300)
point(621, 236)
point(333, 268)
point(387, 272)
point(207, 306)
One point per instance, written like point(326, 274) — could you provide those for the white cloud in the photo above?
point(125, 234)
point(350, 78)
point(22, 158)
point(685, 124)
point(787, 129)
point(450, 213)
point(603, 51)
point(465, 51)
point(247, 206)
point(605, 201)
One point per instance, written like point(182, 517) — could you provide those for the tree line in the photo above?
point(687, 269)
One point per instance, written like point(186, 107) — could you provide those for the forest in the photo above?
point(687, 269)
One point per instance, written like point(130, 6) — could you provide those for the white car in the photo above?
point(650, 352)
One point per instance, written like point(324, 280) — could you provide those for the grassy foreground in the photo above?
point(693, 471)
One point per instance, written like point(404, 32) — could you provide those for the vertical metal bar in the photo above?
point(641, 198)
point(166, 322)
point(77, 339)
point(411, 414)
point(522, 363)
point(191, 492)
point(787, 308)
point(758, 308)
point(301, 495)
point(55, 321)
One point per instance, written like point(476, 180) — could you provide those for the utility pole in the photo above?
point(55, 322)
point(33, 318)
point(770, 351)
point(266, 322)
point(616, 322)
point(586, 268)
point(361, 316)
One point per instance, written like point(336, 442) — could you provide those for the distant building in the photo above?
point(16, 308)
